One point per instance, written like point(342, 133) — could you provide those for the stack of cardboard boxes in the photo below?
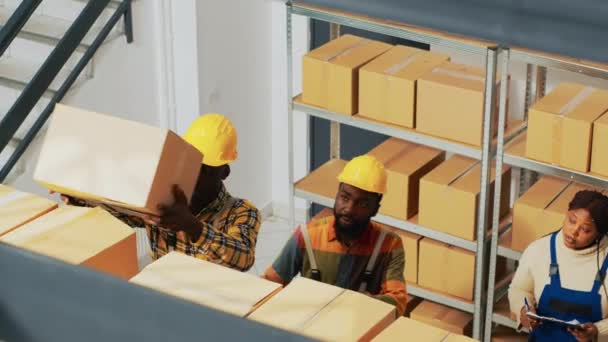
point(569, 127)
point(399, 86)
point(325, 312)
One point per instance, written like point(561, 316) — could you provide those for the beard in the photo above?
point(351, 231)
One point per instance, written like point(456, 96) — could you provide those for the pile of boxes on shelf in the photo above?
point(421, 90)
point(397, 85)
point(569, 127)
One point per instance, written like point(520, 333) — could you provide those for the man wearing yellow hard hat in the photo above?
point(348, 249)
point(214, 226)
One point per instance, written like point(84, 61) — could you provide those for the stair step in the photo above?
point(16, 72)
point(49, 30)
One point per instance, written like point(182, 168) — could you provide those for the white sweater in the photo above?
point(577, 269)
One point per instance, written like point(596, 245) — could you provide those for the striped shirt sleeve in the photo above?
point(393, 289)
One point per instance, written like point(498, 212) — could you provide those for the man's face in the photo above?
point(353, 209)
point(209, 178)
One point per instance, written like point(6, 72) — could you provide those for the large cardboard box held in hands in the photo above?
point(206, 283)
point(405, 164)
point(599, 154)
point(443, 317)
point(541, 210)
point(123, 163)
point(325, 312)
point(18, 208)
point(560, 125)
point(412, 330)
point(90, 237)
point(447, 269)
point(450, 101)
point(331, 72)
point(387, 85)
point(449, 196)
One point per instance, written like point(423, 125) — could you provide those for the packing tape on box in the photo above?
point(458, 74)
point(462, 174)
point(392, 70)
point(557, 124)
point(12, 197)
point(559, 193)
point(347, 51)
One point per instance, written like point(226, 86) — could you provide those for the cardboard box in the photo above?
point(450, 102)
point(387, 85)
point(446, 269)
point(122, 163)
point(90, 237)
point(452, 189)
point(331, 72)
point(443, 317)
point(417, 331)
point(560, 125)
point(18, 208)
point(325, 312)
point(504, 334)
point(413, 330)
point(206, 283)
point(324, 180)
point(405, 164)
point(599, 154)
point(541, 210)
point(411, 244)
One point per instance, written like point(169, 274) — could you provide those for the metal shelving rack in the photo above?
point(485, 154)
point(513, 154)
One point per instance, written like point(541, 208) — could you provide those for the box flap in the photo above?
point(441, 315)
point(414, 330)
point(349, 51)
point(560, 205)
point(471, 181)
point(296, 304)
point(405, 62)
point(206, 283)
point(324, 180)
point(458, 75)
point(603, 120)
point(72, 234)
point(450, 170)
point(559, 97)
point(543, 192)
point(349, 317)
point(18, 208)
point(403, 156)
point(591, 107)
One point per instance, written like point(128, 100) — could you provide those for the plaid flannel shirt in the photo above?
point(231, 242)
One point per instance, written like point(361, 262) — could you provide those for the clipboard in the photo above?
point(566, 324)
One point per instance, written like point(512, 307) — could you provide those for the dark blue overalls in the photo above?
point(566, 304)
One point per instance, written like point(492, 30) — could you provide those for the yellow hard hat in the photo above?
point(366, 173)
point(215, 136)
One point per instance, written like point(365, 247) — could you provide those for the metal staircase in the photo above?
point(47, 48)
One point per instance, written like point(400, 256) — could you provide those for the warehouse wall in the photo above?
point(234, 46)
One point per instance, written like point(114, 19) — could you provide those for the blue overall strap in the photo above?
point(599, 278)
point(553, 267)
